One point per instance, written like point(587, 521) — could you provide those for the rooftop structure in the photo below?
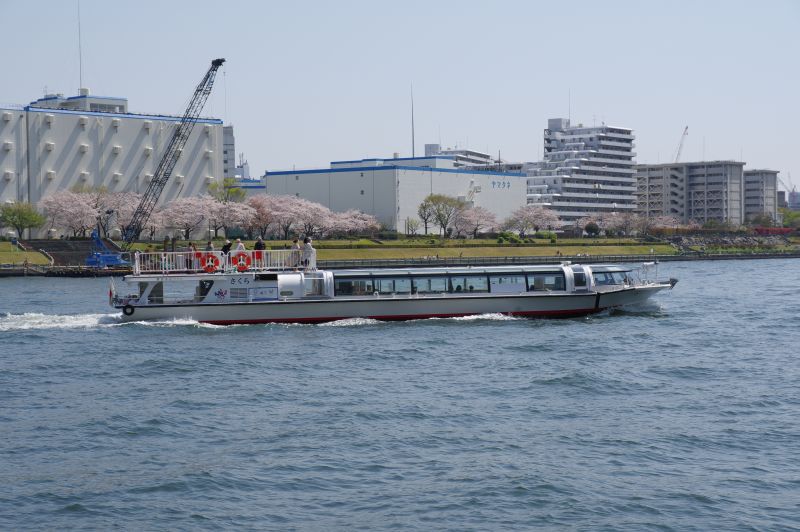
point(460, 157)
point(83, 102)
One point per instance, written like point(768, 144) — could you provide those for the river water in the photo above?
point(683, 415)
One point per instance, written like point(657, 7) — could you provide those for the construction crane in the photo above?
point(790, 187)
point(171, 154)
point(680, 145)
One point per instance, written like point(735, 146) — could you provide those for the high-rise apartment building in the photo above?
point(700, 191)
point(760, 193)
point(586, 170)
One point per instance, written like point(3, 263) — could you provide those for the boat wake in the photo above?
point(36, 321)
point(495, 316)
point(351, 322)
point(31, 321)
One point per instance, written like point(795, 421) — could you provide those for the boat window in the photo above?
point(314, 286)
point(353, 287)
point(402, 286)
point(429, 285)
point(508, 284)
point(203, 288)
point(457, 284)
point(477, 283)
point(580, 278)
point(384, 286)
point(546, 281)
point(157, 293)
point(609, 278)
point(619, 277)
point(508, 279)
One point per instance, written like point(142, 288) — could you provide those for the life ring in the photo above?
point(210, 263)
point(127, 310)
point(242, 261)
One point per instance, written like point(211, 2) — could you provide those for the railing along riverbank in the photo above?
point(154, 264)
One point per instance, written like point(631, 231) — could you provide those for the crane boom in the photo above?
point(171, 153)
point(680, 145)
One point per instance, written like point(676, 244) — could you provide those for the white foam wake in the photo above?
point(350, 322)
point(494, 316)
point(35, 320)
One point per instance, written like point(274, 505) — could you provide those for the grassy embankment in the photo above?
point(432, 247)
point(12, 255)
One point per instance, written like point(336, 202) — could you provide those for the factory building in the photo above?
point(392, 189)
point(586, 171)
point(700, 191)
point(87, 141)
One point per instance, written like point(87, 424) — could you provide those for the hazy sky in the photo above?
point(310, 82)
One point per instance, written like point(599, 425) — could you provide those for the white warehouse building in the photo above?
point(86, 141)
point(392, 189)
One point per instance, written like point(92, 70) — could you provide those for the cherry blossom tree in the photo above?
point(230, 214)
point(313, 217)
point(531, 218)
point(473, 220)
point(70, 210)
point(265, 214)
point(618, 222)
point(353, 222)
point(188, 213)
point(288, 210)
point(122, 205)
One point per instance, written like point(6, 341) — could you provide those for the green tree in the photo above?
point(226, 191)
point(425, 212)
point(445, 210)
point(20, 216)
point(592, 229)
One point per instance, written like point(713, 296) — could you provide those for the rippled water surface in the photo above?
point(684, 414)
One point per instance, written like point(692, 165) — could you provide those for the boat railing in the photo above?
point(175, 262)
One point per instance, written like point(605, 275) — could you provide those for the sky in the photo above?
point(306, 83)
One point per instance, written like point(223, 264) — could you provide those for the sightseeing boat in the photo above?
point(278, 286)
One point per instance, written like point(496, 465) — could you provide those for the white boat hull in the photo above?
point(535, 305)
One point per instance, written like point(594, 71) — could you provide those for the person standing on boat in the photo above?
point(209, 246)
point(309, 254)
point(240, 245)
point(226, 251)
point(259, 248)
point(296, 253)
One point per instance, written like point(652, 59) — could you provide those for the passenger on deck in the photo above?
point(240, 245)
point(309, 253)
point(209, 246)
point(226, 248)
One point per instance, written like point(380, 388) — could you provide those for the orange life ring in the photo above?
point(242, 261)
point(210, 263)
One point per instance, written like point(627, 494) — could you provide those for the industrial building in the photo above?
point(586, 171)
point(85, 141)
point(392, 189)
point(701, 191)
